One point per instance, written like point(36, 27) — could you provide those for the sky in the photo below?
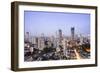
point(49, 23)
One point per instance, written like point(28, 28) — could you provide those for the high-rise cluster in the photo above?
point(63, 47)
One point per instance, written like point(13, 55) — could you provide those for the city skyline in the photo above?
point(50, 22)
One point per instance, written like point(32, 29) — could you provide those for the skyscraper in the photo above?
point(27, 36)
point(72, 33)
point(60, 36)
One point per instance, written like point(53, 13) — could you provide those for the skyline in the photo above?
point(50, 22)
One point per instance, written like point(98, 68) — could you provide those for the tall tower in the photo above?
point(72, 33)
point(60, 36)
point(27, 36)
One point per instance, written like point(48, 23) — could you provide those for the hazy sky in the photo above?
point(50, 22)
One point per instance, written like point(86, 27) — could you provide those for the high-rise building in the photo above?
point(35, 41)
point(60, 36)
point(72, 33)
point(27, 36)
point(41, 43)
